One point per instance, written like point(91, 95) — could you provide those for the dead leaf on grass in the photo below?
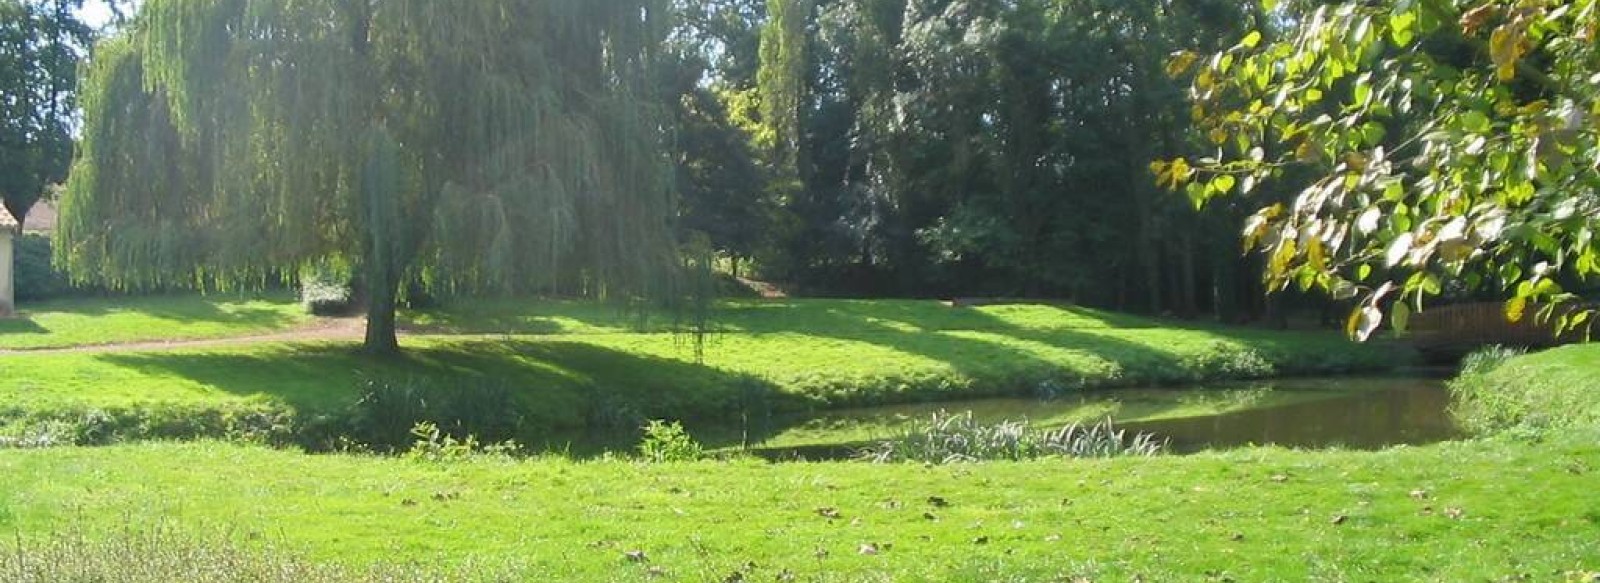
point(1340, 518)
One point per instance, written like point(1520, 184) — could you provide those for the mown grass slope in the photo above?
point(1485, 510)
point(101, 321)
point(766, 357)
point(1550, 390)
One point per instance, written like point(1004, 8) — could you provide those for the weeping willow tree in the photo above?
point(478, 146)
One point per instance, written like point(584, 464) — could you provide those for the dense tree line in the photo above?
point(846, 147)
point(976, 147)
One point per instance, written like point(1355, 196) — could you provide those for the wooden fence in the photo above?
point(1454, 330)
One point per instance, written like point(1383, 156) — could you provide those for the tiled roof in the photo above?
point(42, 218)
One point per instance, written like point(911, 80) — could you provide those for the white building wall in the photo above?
point(8, 301)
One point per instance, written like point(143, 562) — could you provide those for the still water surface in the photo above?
point(1357, 413)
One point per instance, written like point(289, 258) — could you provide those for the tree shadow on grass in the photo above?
point(565, 392)
point(21, 325)
point(534, 316)
point(566, 386)
point(997, 351)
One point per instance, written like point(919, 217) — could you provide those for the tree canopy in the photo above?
point(41, 44)
point(1389, 152)
point(482, 146)
point(1436, 147)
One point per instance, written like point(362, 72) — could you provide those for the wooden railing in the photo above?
point(1460, 328)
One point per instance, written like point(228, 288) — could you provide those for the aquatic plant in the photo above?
point(954, 438)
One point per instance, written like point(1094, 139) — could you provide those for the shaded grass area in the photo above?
point(1483, 510)
point(1555, 389)
point(101, 321)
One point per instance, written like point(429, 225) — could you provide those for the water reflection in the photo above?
point(1366, 413)
point(1415, 414)
point(1357, 413)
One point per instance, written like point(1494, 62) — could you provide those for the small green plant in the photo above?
point(668, 442)
point(434, 445)
point(947, 438)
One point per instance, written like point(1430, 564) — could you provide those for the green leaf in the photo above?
point(1223, 184)
point(1251, 40)
point(1373, 133)
point(1475, 122)
point(1400, 317)
point(1515, 308)
point(1401, 29)
point(1395, 191)
point(1363, 93)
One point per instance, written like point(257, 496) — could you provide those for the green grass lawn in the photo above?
point(1515, 506)
point(539, 316)
point(1484, 510)
point(775, 357)
point(101, 321)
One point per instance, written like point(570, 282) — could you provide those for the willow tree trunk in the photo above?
point(380, 193)
point(382, 291)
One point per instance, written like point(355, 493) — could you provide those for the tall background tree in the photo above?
point(986, 147)
point(41, 44)
point(500, 145)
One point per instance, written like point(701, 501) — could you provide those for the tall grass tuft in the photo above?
point(945, 438)
point(1488, 359)
point(162, 555)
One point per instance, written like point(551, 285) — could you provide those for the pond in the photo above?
point(1345, 412)
point(1359, 413)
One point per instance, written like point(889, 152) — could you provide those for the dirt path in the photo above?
point(765, 289)
point(319, 330)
